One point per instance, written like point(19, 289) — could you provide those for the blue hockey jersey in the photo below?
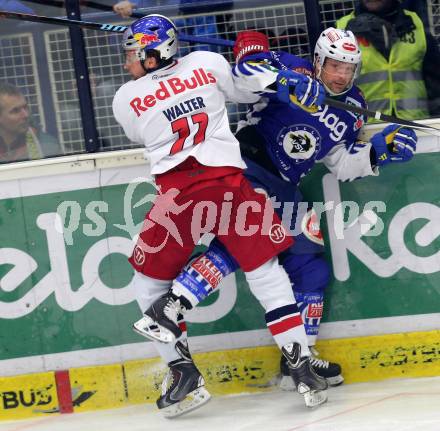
point(296, 139)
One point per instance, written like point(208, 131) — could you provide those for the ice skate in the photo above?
point(183, 389)
point(329, 370)
point(306, 381)
point(159, 322)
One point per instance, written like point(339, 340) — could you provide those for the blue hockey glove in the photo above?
point(299, 90)
point(394, 144)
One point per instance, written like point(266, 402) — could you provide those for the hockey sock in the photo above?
point(173, 351)
point(203, 274)
point(271, 286)
point(311, 306)
point(148, 289)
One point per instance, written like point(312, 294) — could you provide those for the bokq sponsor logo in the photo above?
point(348, 238)
point(57, 281)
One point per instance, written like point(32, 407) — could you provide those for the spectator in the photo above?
point(14, 6)
point(400, 59)
point(125, 8)
point(19, 140)
point(207, 25)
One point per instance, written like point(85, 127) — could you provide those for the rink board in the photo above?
point(66, 304)
point(65, 289)
point(226, 372)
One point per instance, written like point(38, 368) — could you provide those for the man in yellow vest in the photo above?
point(399, 59)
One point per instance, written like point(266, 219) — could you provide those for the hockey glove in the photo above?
point(394, 144)
point(300, 90)
point(250, 42)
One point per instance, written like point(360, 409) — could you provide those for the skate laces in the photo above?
point(172, 309)
point(321, 363)
point(315, 361)
point(167, 381)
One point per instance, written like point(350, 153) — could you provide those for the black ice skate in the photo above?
point(306, 381)
point(183, 389)
point(160, 320)
point(329, 370)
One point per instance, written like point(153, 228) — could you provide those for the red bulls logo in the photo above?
point(145, 39)
point(168, 87)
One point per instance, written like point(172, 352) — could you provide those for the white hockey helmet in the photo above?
point(339, 45)
point(152, 32)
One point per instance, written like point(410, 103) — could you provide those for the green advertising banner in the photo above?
point(382, 237)
point(65, 279)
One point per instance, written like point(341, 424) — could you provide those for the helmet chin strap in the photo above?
point(160, 65)
point(160, 62)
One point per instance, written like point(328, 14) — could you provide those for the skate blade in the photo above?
point(148, 328)
point(287, 384)
point(315, 398)
point(192, 401)
point(335, 381)
point(274, 381)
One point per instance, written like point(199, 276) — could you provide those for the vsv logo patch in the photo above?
point(299, 142)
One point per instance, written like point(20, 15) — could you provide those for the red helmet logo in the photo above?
point(145, 39)
point(349, 46)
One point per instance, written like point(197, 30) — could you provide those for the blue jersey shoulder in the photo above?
point(356, 94)
point(288, 61)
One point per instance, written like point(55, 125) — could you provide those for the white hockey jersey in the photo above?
point(179, 111)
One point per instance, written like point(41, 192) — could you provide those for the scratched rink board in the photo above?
point(71, 293)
